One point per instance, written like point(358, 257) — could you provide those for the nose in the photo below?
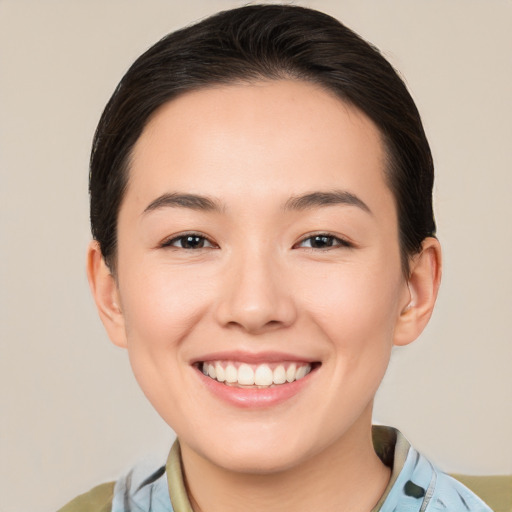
point(256, 296)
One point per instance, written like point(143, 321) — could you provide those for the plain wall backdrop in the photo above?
point(72, 415)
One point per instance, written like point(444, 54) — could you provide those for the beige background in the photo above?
point(71, 414)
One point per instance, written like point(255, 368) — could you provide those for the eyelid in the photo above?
point(341, 241)
point(167, 242)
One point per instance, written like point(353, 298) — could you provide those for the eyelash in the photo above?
point(335, 242)
point(171, 241)
point(330, 241)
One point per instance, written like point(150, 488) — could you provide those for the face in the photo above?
point(258, 243)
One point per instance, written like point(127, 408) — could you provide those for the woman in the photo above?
point(261, 207)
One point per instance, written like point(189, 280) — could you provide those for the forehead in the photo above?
point(243, 140)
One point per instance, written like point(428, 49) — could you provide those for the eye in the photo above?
point(323, 241)
point(189, 241)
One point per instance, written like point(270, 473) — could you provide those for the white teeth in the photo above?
point(301, 373)
point(263, 376)
point(279, 376)
point(221, 375)
point(231, 373)
point(290, 373)
point(245, 375)
point(255, 375)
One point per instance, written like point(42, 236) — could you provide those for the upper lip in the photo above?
point(252, 357)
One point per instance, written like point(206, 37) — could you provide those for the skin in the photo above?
point(257, 287)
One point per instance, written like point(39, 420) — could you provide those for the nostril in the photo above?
point(255, 325)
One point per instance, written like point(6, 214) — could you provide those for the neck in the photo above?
point(346, 476)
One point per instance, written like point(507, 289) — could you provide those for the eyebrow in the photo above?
point(302, 202)
point(319, 199)
point(177, 200)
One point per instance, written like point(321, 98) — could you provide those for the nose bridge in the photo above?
point(255, 295)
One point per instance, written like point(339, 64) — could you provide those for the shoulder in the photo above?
point(451, 494)
point(98, 499)
point(426, 489)
point(142, 489)
point(138, 490)
point(418, 486)
point(495, 490)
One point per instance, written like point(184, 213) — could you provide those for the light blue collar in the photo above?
point(419, 487)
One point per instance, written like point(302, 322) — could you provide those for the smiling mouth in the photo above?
point(264, 375)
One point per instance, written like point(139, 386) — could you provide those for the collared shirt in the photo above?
point(415, 484)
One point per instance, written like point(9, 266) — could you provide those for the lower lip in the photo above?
point(255, 398)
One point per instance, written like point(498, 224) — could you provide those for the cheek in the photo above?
point(161, 305)
point(355, 306)
point(356, 311)
point(364, 336)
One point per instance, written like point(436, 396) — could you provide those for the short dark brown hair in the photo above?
point(265, 42)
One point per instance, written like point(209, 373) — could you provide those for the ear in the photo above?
point(106, 295)
point(423, 283)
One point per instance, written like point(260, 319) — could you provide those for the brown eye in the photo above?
point(323, 241)
point(188, 241)
point(192, 242)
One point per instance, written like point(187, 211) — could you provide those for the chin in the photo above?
point(249, 453)
point(257, 461)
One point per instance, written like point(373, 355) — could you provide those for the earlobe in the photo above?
point(423, 284)
point(106, 295)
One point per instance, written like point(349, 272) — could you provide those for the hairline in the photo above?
point(389, 160)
